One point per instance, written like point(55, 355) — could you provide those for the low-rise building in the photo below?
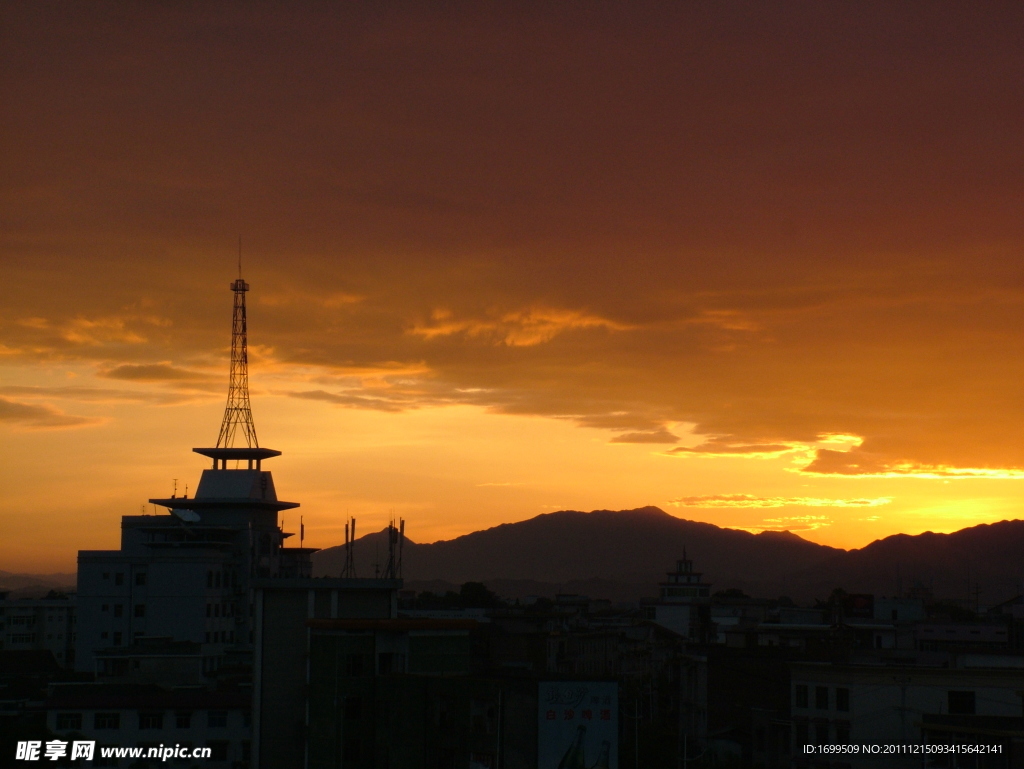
point(147, 715)
point(876, 703)
point(47, 624)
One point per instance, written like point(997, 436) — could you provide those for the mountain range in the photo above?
point(623, 554)
point(31, 585)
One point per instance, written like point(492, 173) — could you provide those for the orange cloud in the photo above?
point(39, 417)
point(750, 500)
point(520, 328)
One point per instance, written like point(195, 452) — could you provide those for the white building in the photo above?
point(858, 704)
point(684, 602)
point(143, 716)
point(186, 575)
point(40, 623)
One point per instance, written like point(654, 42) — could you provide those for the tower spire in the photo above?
point(237, 413)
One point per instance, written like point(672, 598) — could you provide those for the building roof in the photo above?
point(26, 662)
point(240, 453)
point(142, 696)
point(392, 625)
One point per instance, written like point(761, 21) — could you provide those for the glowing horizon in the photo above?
point(760, 270)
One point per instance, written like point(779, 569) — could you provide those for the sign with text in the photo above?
point(578, 725)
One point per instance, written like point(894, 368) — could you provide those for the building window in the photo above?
point(842, 699)
point(351, 749)
point(801, 735)
point(140, 578)
point(106, 575)
point(355, 665)
point(183, 719)
point(209, 579)
point(353, 708)
point(118, 579)
point(217, 719)
point(104, 607)
point(209, 610)
point(118, 609)
point(961, 703)
point(390, 662)
point(117, 638)
point(218, 750)
point(821, 734)
point(821, 697)
point(151, 720)
point(107, 721)
point(69, 721)
point(842, 733)
point(801, 696)
point(140, 610)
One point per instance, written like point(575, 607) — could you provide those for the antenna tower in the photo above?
point(396, 537)
point(237, 413)
point(349, 572)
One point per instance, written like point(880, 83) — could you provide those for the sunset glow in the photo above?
point(504, 264)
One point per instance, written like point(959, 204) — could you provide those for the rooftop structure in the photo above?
point(187, 575)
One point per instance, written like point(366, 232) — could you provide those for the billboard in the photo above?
point(859, 605)
point(578, 725)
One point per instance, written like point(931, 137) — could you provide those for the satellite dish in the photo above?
point(189, 516)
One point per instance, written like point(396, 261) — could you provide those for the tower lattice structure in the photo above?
point(237, 413)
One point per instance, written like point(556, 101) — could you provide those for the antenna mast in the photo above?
point(349, 571)
point(237, 413)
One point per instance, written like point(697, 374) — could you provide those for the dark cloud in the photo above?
point(727, 447)
point(98, 394)
point(157, 372)
point(771, 224)
point(39, 416)
point(752, 500)
point(353, 400)
point(655, 436)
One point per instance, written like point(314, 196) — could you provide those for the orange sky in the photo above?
point(757, 265)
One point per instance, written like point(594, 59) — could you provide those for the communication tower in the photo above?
point(237, 412)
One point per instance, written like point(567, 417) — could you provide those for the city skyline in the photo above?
point(759, 269)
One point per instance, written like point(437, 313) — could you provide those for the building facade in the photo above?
point(42, 624)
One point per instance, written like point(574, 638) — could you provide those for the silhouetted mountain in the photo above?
point(624, 554)
point(22, 585)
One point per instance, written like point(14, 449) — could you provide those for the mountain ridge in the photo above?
point(636, 547)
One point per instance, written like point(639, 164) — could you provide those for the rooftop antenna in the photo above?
point(389, 564)
point(302, 531)
point(237, 412)
point(396, 533)
point(401, 541)
point(349, 571)
point(175, 492)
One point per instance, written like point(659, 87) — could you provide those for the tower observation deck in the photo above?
point(192, 571)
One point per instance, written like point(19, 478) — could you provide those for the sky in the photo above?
point(758, 264)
